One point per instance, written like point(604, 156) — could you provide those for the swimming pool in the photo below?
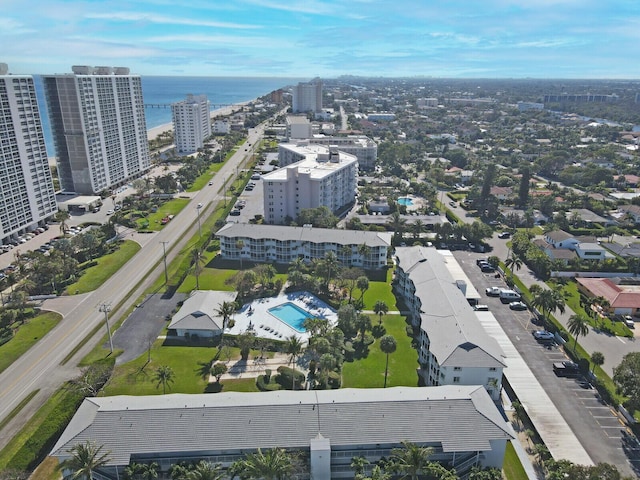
point(406, 201)
point(292, 315)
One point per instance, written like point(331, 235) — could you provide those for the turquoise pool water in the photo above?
point(406, 201)
point(292, 315)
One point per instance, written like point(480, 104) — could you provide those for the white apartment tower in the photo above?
point(307, 97)
point(99, 129)
point(191, 123)
point(27, 197)
point(326, 177)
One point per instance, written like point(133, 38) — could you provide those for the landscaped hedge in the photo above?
point(41, 442)
point(265, 385)
point(286, 376)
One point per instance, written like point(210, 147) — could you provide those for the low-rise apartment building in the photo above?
point(453, 347)
point(282, 244)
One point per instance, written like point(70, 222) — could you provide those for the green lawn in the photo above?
point(369, 372)
point(26, 336)
point(109, 264)
point(378, 291)
point(205, 178)
point(512, 468)
point(172, 207)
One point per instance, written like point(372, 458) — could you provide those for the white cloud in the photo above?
point(162, 19)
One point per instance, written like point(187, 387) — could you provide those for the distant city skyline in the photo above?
point(326, 38)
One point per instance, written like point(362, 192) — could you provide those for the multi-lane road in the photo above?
point(40, 368)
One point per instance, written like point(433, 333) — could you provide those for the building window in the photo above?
point(456, 379)
point(457, 369)
point(492, 369)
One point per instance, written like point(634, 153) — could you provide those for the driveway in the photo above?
point(144, 325)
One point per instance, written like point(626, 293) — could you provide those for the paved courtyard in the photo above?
point(257, 317)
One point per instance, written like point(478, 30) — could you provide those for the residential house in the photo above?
point(623, 298)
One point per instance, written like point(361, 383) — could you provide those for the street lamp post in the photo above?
point(164, 255)
point(106, 308)
point(199, 227)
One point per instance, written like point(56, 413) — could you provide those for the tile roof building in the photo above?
point(198, 315)
point(327, 427)
point(624, 299)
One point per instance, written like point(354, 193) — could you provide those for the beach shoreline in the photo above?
point(168, 127)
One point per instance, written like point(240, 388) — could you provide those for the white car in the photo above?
point(109, 212)
point(628, 321)
point(543, 335)
point(492, 291)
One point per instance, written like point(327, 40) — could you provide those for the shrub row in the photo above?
point(41, 442)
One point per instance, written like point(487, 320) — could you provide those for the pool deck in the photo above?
point(255, 315)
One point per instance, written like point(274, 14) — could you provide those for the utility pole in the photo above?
point(106, 308)
point(164, 254)
point(199, 229)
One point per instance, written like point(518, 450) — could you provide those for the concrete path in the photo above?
point(254, 367)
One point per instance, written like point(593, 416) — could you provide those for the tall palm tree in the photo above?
point(597, 360)
point(197, 260)
point(577, 326)
point(387, 345)
point(330, 265)
point(85, 458)
point(294, 348)
point(273, 464)
point(62, 216)
point(410, 460)
point(164, 376)
point(548, 301)
point(363, 323)
point(514, 262)
point(206, 471)
point(226, 310)
point(364, 251)
point(240, 246)
point(380, 308)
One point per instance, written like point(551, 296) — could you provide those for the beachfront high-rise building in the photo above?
point(27, 197)
point(191, 123)
point(307, 97)
point(99, 129)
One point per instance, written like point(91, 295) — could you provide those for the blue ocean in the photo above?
point(160, 90)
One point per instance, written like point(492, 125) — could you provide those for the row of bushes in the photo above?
point(283, 381)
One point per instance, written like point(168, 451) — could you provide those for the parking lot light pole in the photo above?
point(106, 308)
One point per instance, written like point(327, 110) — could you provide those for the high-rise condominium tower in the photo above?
point(307, 97)
point(26, 190)
point(98, 125)
point(191, 123)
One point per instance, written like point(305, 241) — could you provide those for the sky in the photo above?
point(326, 38)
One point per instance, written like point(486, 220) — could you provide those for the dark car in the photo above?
point(486, 268)
point(518, 306)
point(504, 235)
point(566, 369)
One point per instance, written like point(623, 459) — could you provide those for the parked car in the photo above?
point(486, 268)
point(481, 260)
point(109, 212)
point(235, 212)
point(628, 321)
point(566, 369)
point(492, 291)
point(508, 296)
point(481, 308)
point(518, 306)
point(543, 335)
point(504, 235)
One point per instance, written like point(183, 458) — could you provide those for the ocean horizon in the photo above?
point(165, 90)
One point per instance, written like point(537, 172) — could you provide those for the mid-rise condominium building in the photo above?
point(191, 123)
point(99, 129)
point(307, 97)
point(326, 177)
point(364, 149)
point(27, 197)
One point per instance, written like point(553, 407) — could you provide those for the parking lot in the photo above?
point(602, 434)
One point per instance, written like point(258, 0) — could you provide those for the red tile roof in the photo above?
point(617, 295)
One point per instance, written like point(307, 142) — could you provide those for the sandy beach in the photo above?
point(155, 131)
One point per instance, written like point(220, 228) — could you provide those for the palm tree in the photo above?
point(273, 464)
point(411, 459)
point(206, 471)
point(387, 345)
point(363, 323)
point(164, 376)
point(548, 301)
point(514, 262)
point(197, 260)
point(142, 471)
point(358, 464)
point(362, 283)
point(86, 457)
point(62, 216)
point(597, 360)
point(364, 251)
point(577, 326)
point(225, 310)
point(380, 308)
point(240, 246)
point(293, 347)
